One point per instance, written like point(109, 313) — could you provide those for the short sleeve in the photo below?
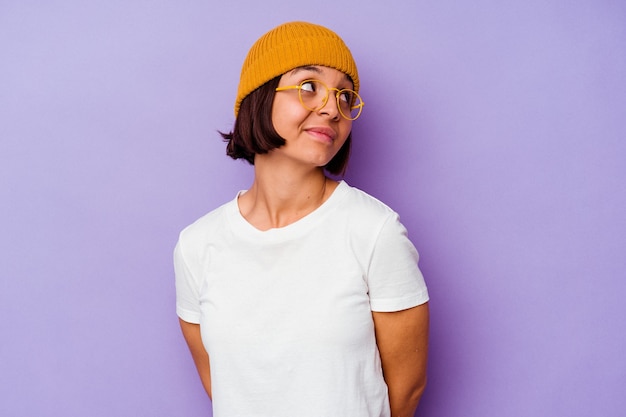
point(187, 288)
point(395, 281)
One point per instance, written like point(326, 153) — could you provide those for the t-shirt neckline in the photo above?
point(242, 226)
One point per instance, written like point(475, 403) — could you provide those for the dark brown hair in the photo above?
point(254, 132)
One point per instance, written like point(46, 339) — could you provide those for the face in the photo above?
point(312, 137)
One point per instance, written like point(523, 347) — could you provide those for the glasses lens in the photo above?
point(355, 107)
point(349, 103)
point(313, 94)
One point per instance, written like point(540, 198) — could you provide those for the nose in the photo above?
point(331, 108)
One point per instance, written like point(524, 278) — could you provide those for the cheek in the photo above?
point(284, 125)
point(285, 117)
point(345, 131)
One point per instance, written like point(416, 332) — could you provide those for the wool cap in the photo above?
point(292, 45)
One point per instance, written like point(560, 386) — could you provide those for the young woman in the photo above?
point(302, 296)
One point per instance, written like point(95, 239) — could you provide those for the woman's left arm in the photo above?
point(402, 339)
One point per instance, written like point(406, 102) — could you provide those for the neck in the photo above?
point(279, 197)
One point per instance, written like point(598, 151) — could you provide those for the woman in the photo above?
point(302, 296)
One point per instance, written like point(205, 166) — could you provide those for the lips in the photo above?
point(322, 132)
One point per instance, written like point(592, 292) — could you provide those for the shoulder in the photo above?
point(363, 216)
point(208, 225)
point(362, 205)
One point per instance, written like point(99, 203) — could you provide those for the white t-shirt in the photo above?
point(285, 314)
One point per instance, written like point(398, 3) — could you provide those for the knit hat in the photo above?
point(292, 45)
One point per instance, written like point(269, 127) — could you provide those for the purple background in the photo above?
point(496, 130)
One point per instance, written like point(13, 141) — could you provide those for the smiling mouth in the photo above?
point(323, 133)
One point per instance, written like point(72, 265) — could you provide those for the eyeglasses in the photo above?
point(313, 96)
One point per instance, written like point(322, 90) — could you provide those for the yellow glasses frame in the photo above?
point(298, 87)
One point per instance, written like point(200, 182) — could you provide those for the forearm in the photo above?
point(204, 371)
point(404, 397)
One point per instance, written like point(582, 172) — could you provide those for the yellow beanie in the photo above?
point(289, 46)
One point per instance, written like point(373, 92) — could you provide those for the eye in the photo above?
point(308, 86)
point(346, 96)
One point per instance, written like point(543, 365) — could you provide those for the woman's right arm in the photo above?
point(191, 332)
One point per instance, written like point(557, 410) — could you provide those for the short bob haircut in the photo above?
point(254, 132)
